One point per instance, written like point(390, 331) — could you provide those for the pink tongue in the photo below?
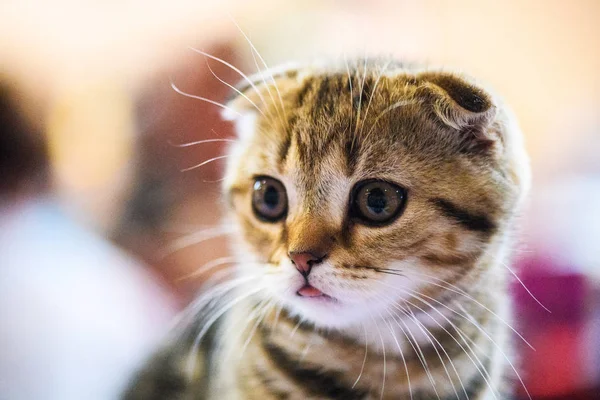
point(309, 291)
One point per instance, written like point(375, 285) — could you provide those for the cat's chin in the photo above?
point(324, 310)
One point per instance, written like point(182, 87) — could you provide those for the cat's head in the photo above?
point(354, 188)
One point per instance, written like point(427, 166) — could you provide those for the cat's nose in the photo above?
point(305, 260)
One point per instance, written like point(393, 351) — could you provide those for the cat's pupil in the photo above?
point(271, 198)
point(376, 201)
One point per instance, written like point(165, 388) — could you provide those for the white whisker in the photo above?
point(200, 142)
point(259, 70)
point(263, 62)
point(262, 77)
point(362, 368)
point(525, 287)
point(196, 238)
point(235, 89)
point(373, 92)
point(384, 358)
point(209, 323)
point(362, 87)
point(193, 96)
point(416, 349)
point(205, 162)
point(212, 294)
point(351, 90)
point(418, 352)
point(259, 313)
point(432, 338)
point(277, 316)
point(407, 311)
point(401, 355)
point(480, 328)
point(295, 329)
point(208, 266)
point(307, 347)
point(192, 311)
point(465, 294)
point(482, 371)
point(234, 68)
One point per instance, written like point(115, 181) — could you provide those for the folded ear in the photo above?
point(259, 92)
point(463, 107)
point(455, 101)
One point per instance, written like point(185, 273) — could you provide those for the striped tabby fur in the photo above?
point(417, 308)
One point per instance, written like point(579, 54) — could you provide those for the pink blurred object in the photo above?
point(557, 366)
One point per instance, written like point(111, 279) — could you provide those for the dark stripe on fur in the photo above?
point(284, 148)
point(360, 100)
point(321, 97)
point(442, 259)
point(315, 381)
point(303, 92)
point(268, 384)
point(352, 153)
point(473, 222)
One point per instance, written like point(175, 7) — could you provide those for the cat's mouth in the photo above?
point(312, 292)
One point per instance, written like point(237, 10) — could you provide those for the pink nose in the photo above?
point(304, 261)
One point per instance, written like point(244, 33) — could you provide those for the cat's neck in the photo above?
point(357, 358)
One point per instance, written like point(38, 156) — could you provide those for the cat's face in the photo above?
point(352, 196)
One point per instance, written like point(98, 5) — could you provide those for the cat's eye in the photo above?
point(269, 199)
point(376, 202)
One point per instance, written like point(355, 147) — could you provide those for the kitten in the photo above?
point(374, 207)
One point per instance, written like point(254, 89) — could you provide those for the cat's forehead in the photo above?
point(350, 124)
point(321, 129)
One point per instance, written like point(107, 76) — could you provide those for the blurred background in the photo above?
point(92, 193)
